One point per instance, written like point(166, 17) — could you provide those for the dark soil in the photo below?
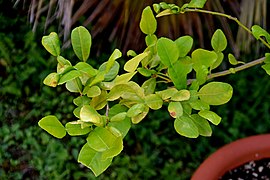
point(253, 170)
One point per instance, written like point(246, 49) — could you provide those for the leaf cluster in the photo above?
point(109, 102)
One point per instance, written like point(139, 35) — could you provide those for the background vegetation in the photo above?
point(152, 149)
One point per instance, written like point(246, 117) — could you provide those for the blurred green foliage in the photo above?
point(153, 150)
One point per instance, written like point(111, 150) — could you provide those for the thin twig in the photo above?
point(229, 17)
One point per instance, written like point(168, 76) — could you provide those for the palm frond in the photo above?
point(118, 20)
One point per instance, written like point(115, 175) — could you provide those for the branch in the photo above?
point(229, 17)
point(232, 70)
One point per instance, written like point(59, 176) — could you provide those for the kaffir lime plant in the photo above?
point(108, 103)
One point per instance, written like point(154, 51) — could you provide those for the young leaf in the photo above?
point(153, 101)
point(185, 126)
point(69, 76)
point(202, 57)
point(133, 63)
point(202, 124)
point(93, 160)
point(220, 57)
point(99, 102)
point(112, 72)
point(175, 109)
point(182, 95)
point(81, 100)
point(167, 93)
point(257, 32)
point(86, 68)
point(74, 85)
point(53, 126)
point(135, 110)
point(199, 105)
point(216, 93)
point(51, 80)
point(148, 23)
point(196, 3)
point(233, 60)
point(122, 126)
point(211, 116)
point(75, 129)
point(141, 116)
point(178, 73)
point(266, 67)
point(115, 55)
point(149, 86)
point(219, 41)
point(81, 42)
point(93, 91)
point(167, 51)
point(51, 43)
point(101, 139)
point(184, 45)
point(89, 114)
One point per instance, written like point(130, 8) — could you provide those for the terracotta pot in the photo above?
point(232, 155)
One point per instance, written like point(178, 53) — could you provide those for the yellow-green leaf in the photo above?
point(53, 126)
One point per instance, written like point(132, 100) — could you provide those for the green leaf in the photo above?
point(89, 114)
point(124, 78)
point(233, 60)
point(148, 23)
point(113, 150)
point(63, 65)
point(145, 72)
point(257, 32)
point(74, 85)
point(118, 90)
point(175, 109)
point(81, 42)
point(99, 102)
point(81, 100)
point(53, 126)
point(112, 72)
point(111, 62)
point(153, 101)
point(202, 57)
point(184, 45)
point(150, 39)
point(220, 57)
point(196, 3)
point(199, 105)
point(69, 76)
point(216, 93)
point(93, 91)
point(266, 67)
point(86, 68)
point(202, 124)
point(74, 129)
point(51, 43)
point(178, 73)
point(122, 126)
point(167, 51)
point(93, 160)
point(51, 80)
point(211, 116)
point(149, 86)
point(167, 93)
point(185, 126)
point(98, 78)
point(219, 41)
point(135, 110)
point(141, 116)
point(182, 95)
point(117, 109)
point(132, 64)
point(119, 117)
point(101, 139)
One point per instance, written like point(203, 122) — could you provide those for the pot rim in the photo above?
point(232, 155)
